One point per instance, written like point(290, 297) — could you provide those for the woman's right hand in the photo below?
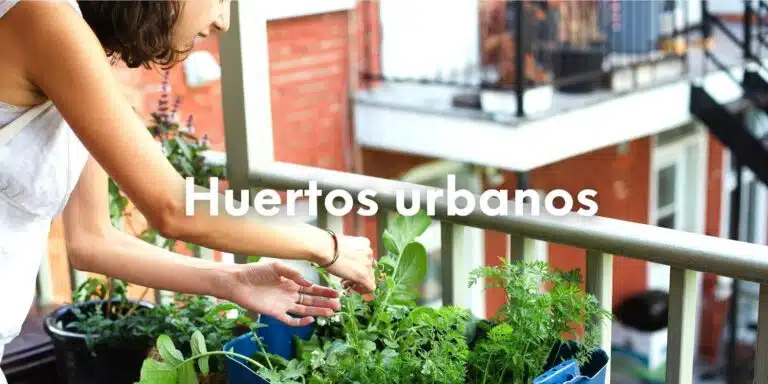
point(354, 264)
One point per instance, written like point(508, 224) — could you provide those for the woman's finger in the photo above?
point(306, 310)
point(291, 274)
point(320, 302)
point(319, 290)
point(294, 321)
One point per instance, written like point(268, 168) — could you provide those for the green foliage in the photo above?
point(388, 339)
point(125, 322)
point(183, 149)
point(532, 321)
point(179, 320)
point(174, 368)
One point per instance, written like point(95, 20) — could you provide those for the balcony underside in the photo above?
point(421, 120)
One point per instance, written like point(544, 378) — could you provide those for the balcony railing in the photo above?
point(529, 45)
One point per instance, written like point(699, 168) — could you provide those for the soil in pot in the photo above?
point(578, 70)
point(77, 363)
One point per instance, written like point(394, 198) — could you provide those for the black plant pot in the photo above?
point(578, 70)
point(76, 363)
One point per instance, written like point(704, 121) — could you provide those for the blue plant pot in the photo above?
point(568, 370)
point(277, 338)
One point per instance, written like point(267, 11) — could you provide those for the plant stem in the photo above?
point(226, 353)
point(263, 350)
point(109, 294)
point(136, 305)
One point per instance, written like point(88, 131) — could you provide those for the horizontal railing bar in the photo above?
point(675, 248)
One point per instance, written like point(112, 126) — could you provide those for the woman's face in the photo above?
point(200, 19)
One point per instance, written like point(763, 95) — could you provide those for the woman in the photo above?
point(73, 128)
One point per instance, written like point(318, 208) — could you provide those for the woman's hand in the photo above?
point(355, 263)
point(276, 290)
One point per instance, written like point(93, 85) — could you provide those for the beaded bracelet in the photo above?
point(335, 249)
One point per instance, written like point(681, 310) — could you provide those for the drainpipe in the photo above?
point(735, 216)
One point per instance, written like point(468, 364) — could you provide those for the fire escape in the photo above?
point(731, 125)
point(728, 122)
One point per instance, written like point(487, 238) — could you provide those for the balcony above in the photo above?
point(437, 105)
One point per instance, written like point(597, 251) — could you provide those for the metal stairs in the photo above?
point(729, 122)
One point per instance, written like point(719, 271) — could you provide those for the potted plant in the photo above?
point(578, 60)
point(95, 338)
point(536, 330)
point(389, 339)
point(100, 332)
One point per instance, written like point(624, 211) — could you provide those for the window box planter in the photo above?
point(76, 363)
point(279, 339)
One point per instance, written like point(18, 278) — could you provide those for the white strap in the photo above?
point(9, 131)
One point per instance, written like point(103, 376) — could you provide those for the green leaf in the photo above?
point(187, 374)
point(389, 243)
point(294, 370)
point(197, 343)
point(168, 351)
point(405, 229)
point(155, 372)
point(183, 147)
point(411, 267)
point(254, 259)
point(369, 346)
point(225, 306)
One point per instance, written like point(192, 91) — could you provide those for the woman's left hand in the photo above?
point(276, 290)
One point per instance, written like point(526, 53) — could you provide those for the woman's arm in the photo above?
point(65, 60)
point(93, 244)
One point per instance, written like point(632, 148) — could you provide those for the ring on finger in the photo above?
point(301, 298)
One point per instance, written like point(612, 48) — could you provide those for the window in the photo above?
point(678, 185)
point(753, 226)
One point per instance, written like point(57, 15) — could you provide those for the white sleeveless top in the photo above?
point(39, 167)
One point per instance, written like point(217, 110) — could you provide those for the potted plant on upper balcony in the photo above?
point(389, 339)
point(102, 335)
point(577, 62)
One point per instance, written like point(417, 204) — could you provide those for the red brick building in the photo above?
point(315, 58)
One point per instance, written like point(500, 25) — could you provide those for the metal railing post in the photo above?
point(682, 325)
point(599, 283)
point(519, 59)
point(761, 358)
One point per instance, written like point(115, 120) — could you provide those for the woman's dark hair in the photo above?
point(136, 32)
